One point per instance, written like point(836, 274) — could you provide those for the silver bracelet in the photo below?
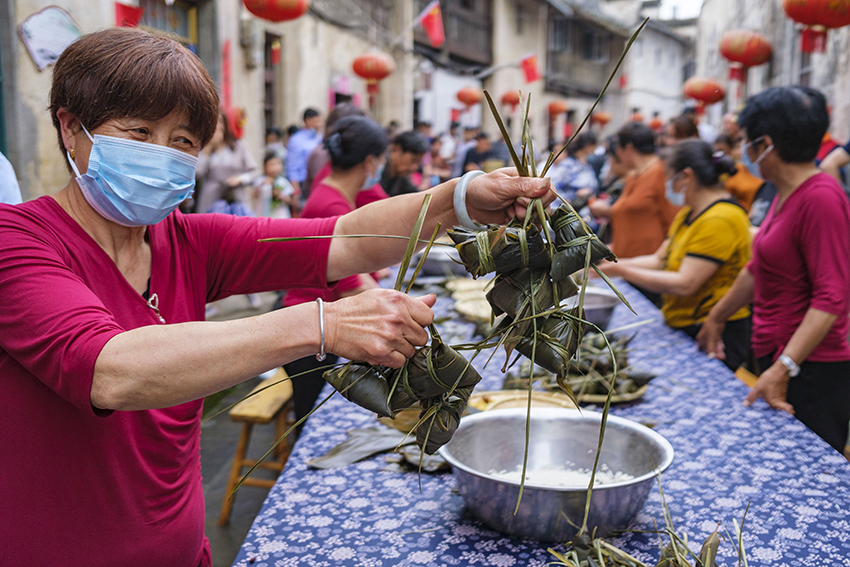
point(461, 212)
point(321, 356)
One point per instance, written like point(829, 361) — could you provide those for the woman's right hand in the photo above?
point(378, 326)
point(710, 338)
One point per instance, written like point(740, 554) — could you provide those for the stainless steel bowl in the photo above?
point(599, 304)
point(494, 441)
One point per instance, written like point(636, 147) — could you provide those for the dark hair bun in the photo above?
point(724, 164)
point(333, 144)
point(353, 139)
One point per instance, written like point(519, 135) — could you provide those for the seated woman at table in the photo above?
point(357, 148)
point(798, 280)
point(104, 351)
point(707, 245)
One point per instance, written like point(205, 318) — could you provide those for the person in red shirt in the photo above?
point(798, 279)
point(357, 148)
point(105, 356)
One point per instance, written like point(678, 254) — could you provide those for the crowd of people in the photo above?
point(740, 238)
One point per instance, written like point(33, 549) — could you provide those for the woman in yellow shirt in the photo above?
point(706, 246)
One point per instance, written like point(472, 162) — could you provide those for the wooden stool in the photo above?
point(275, 403)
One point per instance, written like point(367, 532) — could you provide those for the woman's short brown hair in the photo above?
point(130, 73)
point(684, 127)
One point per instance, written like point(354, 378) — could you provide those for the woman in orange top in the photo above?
point(743, 185)
point(642, 215)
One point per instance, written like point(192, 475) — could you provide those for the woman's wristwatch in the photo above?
point(788, 362)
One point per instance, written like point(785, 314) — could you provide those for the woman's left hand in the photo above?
point(498, 196)
point(772, 385)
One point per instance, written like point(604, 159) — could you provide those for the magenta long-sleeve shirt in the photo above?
point(80, 487)
point(801, 260)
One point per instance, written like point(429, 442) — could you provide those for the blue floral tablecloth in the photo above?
point(727, 456)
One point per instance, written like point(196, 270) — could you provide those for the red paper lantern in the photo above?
point(512, 98)
point(557, 107)
point(747, 47)
point(744, 48)
point(277, 10)
point(656, 124)
point(470, 96)
point(705, 90)
point(602, 118)
point(637, 117)
point(817, 16)
point(373, 66)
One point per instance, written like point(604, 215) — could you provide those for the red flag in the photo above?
point(432, 22)
point(127, 16)
point(529, 67)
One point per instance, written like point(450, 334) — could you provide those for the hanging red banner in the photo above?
point(529, 67)
point(127, 16)
point(431, 19)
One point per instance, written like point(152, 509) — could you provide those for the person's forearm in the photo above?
point(655, 280)
point(814, 327)
point(394, 216)
point(738, 296)
point(164, 365)
point(834, 161)
point(649, 261)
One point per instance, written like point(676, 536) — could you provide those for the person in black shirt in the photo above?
point(405, 157)
point(478, 154)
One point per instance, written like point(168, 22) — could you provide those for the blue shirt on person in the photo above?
point(300, 145)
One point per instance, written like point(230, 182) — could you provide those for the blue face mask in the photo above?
point(754, 166)
point(677, 199)
point(135, 183)
point(373, 180)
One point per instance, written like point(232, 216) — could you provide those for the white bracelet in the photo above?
point(321, 356)
point(460, 200)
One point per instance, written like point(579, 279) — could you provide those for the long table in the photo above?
point(726, 457)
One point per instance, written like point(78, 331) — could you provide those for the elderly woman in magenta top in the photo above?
point(798, 280)
point(104, 351)
point(707, 246)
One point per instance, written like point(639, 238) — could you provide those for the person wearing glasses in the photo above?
point(798, 280)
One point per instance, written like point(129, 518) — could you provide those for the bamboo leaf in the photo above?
point(329, 236)
point(614, 288)
point(422, 260)
point(411, 245)
point(505, 135)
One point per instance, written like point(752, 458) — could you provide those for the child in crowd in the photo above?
point(273, 194)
